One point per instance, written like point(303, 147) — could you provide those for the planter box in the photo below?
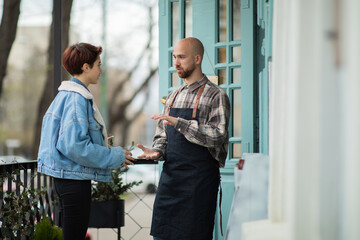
point(108, 214)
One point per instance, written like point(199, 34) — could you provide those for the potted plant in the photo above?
point(107, 206)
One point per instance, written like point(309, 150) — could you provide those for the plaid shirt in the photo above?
point(211, 129)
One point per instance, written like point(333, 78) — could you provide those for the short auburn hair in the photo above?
point(76, 55)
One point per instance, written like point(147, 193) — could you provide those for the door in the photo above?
point(226, 28)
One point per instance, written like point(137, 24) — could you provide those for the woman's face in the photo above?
point(95, 72)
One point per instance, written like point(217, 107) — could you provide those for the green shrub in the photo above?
point(110, 191)
point(44, 230)
point(17, 211)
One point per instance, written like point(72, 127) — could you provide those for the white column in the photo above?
point(304, 122)
point(350, 159)
point(277, 114)
point(330, 174)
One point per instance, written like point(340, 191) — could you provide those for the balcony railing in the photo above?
point(14, 172)
point(26, 172)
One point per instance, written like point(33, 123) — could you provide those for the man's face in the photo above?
point(183, 60)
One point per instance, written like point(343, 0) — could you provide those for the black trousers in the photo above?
point(75, 202)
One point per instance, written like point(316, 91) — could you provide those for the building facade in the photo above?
point(236, 35)
point(291, 71)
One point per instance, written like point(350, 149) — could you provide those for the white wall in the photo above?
point(350, 104)
point(314, 123)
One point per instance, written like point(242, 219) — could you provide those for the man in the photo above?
point(192, 138)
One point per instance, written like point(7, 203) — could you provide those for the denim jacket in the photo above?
point(73, 141)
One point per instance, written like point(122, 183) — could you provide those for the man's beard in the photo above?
point(186, 73)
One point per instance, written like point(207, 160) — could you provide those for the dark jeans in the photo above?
point(156, 238)
point(75, 202)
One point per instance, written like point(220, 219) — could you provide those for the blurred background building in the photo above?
point(290, 68)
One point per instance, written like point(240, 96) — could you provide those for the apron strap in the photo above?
point(196, 101)
point(172, 101)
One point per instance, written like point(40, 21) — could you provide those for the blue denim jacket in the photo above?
point(73, 141)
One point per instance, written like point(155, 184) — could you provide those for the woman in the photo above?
point(73, 146)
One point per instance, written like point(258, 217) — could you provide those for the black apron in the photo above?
point(185, 203)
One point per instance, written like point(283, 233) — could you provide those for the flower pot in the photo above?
point(109, 214)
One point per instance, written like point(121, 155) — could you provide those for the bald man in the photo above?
point(192, 138)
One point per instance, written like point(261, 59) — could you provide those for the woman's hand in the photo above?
point(148, 153)
point(128, 159)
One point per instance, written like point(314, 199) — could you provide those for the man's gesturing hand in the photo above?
point(167, 120)
point(148, 153)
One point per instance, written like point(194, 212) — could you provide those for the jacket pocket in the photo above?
point(95, 132)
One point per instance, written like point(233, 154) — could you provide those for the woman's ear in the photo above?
point(85, 67)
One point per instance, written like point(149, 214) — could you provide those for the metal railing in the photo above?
point(15, 172)
point(26, 171)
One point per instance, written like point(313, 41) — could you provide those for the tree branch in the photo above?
point(137, 114)
point(138, 61)
point(119, 114)
point(139, 89)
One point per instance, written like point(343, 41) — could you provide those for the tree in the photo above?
point(10, 17)
point(117, 107)
point(47, 95)
point(118, 110)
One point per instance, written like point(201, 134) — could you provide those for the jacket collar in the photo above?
point(75, 87)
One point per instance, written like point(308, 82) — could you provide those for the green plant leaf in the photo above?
point(107, 191)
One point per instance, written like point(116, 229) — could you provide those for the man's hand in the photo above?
point(167, 120)
point(148, 153)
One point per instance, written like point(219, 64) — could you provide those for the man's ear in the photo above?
point(198, 59)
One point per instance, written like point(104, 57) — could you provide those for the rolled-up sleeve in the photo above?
point(160, 137)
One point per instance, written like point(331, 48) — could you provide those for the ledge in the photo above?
point(263, 230)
